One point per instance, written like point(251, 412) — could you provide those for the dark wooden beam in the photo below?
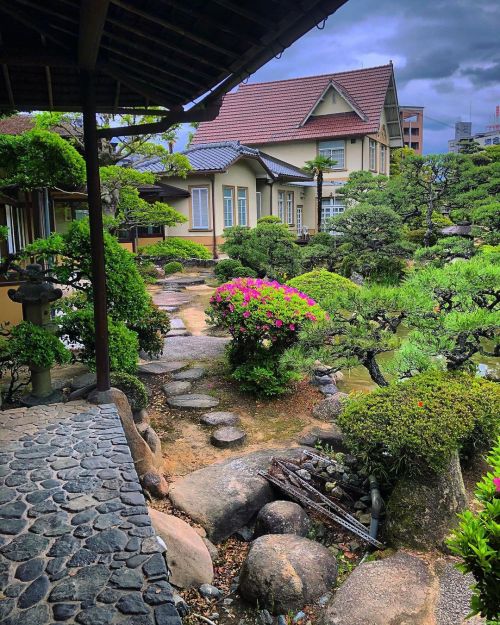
point(34, 57)
point(50, 94)
point(159, 97)
point(8, 85)
point(36, 25)
point(252, 16)
point(92, 18)
point(175, 28)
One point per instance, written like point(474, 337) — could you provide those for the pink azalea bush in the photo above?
point(263, 318)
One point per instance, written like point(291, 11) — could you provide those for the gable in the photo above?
point(332, 102)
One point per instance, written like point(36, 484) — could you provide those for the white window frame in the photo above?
point(242, 203)
point(290, 200)
point(299, 219)
point(258, 203)
point(228, 204)
point(200, 221)
point(335, 150)
point(383, 158)
point(330, 207)
point(281, 206)
point(372, 155)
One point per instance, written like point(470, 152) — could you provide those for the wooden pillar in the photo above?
point(96, 230)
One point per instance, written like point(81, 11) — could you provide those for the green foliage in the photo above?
point(397, 156)
point(366, 188)
point(174, 248)
point(147, 270)
point(269, 219)
point(30, 344)
point(444, 250)
point(316, 168)
point(315, 255)
point(4, 233)
point(39, 159)
point(151, 330)
point(264, 319)
point(322, 285)
point(78, 326)
point(229, 268)
point(415, 426)
point(174, 266)
point(477, 542)
point(133, 388)
point(269, 249)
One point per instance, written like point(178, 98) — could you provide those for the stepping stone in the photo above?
point(172, 333)
point(193, 400)
point(81, 381)
point(195, 373)
point(228, 437)
point(328, 389)
point(168, 298)
point(196, 348)
point(177, 324)
point(176, 388)
point(219, 418)
point(157, 367)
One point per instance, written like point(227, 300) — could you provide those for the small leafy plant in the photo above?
point(174, 247)
point(174, 266)
point(322, 285)
point(228, 268)
point(264, 319)
point(477, 543)
point(133, 388)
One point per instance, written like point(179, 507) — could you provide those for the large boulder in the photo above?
point(282, 517)
point(329, 408)
point(224, 497)
point(421, 511)
point(187, 555)
point(284, 572)
point(395, 591)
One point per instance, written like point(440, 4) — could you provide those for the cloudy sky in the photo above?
point(446, 55)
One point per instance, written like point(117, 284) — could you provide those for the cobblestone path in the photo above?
point(76, 541)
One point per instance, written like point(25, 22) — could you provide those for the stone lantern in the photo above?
point(36, 296)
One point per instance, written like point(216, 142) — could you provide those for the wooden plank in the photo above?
point(92, 19)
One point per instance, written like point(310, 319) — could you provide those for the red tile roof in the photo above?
point(272, 112)
point(16, 124)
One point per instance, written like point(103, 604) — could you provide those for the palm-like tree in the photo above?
point(316, 167)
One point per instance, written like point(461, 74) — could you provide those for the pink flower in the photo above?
point(292, 326)
point(269, 313)
point(246, 314)
point(310, 301)
point(496, 481)
point(231, 307)
point(278, 323)
point(242, 329)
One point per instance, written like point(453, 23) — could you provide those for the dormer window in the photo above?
point(334, 150)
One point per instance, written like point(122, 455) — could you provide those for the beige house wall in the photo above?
point(332, 102)
point(241, 174)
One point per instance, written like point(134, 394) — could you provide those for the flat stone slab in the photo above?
point(194, 373)
point(182, 282)
point(83, 380)
point(157, 367)
point(219, 418)
point(176, 388)
point(228, 437)
point(76, 540)
point(177, 324)
point(331, 436)
point(170, 298)
point(192, 401)
point(196, 348)
point(172, 333)
point(224, 497)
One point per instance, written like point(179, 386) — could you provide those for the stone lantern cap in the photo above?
point(35, 290)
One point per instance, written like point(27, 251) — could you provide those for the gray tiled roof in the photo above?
point(214, 157)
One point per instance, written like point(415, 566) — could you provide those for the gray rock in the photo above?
point(282, 517)
point(328, 389)
point(179, 387)
point(34, 593)
point(219, 418)
point(64, 611)
point(83, 586)
point(107, 541)
point(331, 436)
point(159, 367)
point(195, 373)
point(198, 348)
point(192, 401)
point(330, 407)
point(225, 496)
point(81, 381)
point(95, 616)
point(24, 547)
point(127, 579)
point(30, 570)
point(132, 603)
point(284, 572)
point(228, 437)
point(210, 592)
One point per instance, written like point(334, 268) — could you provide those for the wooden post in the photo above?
point(96, 230)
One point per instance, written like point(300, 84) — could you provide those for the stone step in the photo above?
point(219, 418)
point(177, 324)
point(157, 367)
point(176, 388)
point(228, 437)
point(172, 333)
point(192, 401)
point(194, 373)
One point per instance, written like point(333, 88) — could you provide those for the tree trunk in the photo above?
point(319, 186)
point(371, 364)
point(428, 220)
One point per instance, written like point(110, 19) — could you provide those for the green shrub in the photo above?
point(229, 268)
point(174, 266)
point(321, 284)
point(415, 426)
point(133, 388)
point(477, 543)
point(264, 319)
point(78, 327)
point(148, 272)
point(269, 219)
point(151, 330)
point(30, 344)
point(444, 250)
point(174, 247)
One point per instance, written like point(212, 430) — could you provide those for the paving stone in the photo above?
point(192, 401)
point(178, 387)
point(177, 324)
point(228, 437)
point(107, 541)
point(14, 590)
point(219, 418)
point(64, 546)
point(11, 526)
point(34, 593)
point(64, 611)
point(14, 510)
point(30, 570)
point(24, 547)
point(194, 373)
point(83, 557)
point(133, 499)
point(127, 579)
point(166, 614)
point(37, 615)
point(160, 367)
point(95, 616)
point(132, 603)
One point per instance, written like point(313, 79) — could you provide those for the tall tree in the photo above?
point(317, 167)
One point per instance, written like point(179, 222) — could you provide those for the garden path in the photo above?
point(76, 538)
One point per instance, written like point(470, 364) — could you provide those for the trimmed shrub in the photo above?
point(230, 268)
point(174, 266)
point(151, 330)
point(415, 426)
point(321, 284)
point(29, 344)
point(264, 319)
point(148, 272)
point(174, 247)
point(133, 388)
point(477, 542)
point(269, 219)
point(444, 250)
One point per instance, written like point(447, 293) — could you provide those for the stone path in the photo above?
point(76, 541)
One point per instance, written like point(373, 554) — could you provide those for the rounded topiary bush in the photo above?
point(133, 388)
point(321, 284)
point(416, 426)
point(173, 266)
point(230, 268)
point(147, 271)
point(173, 247)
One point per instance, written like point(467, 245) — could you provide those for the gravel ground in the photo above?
point(454, 597)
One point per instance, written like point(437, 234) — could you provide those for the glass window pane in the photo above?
point(228, 207)
point(199, 198)
point(242, 207)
